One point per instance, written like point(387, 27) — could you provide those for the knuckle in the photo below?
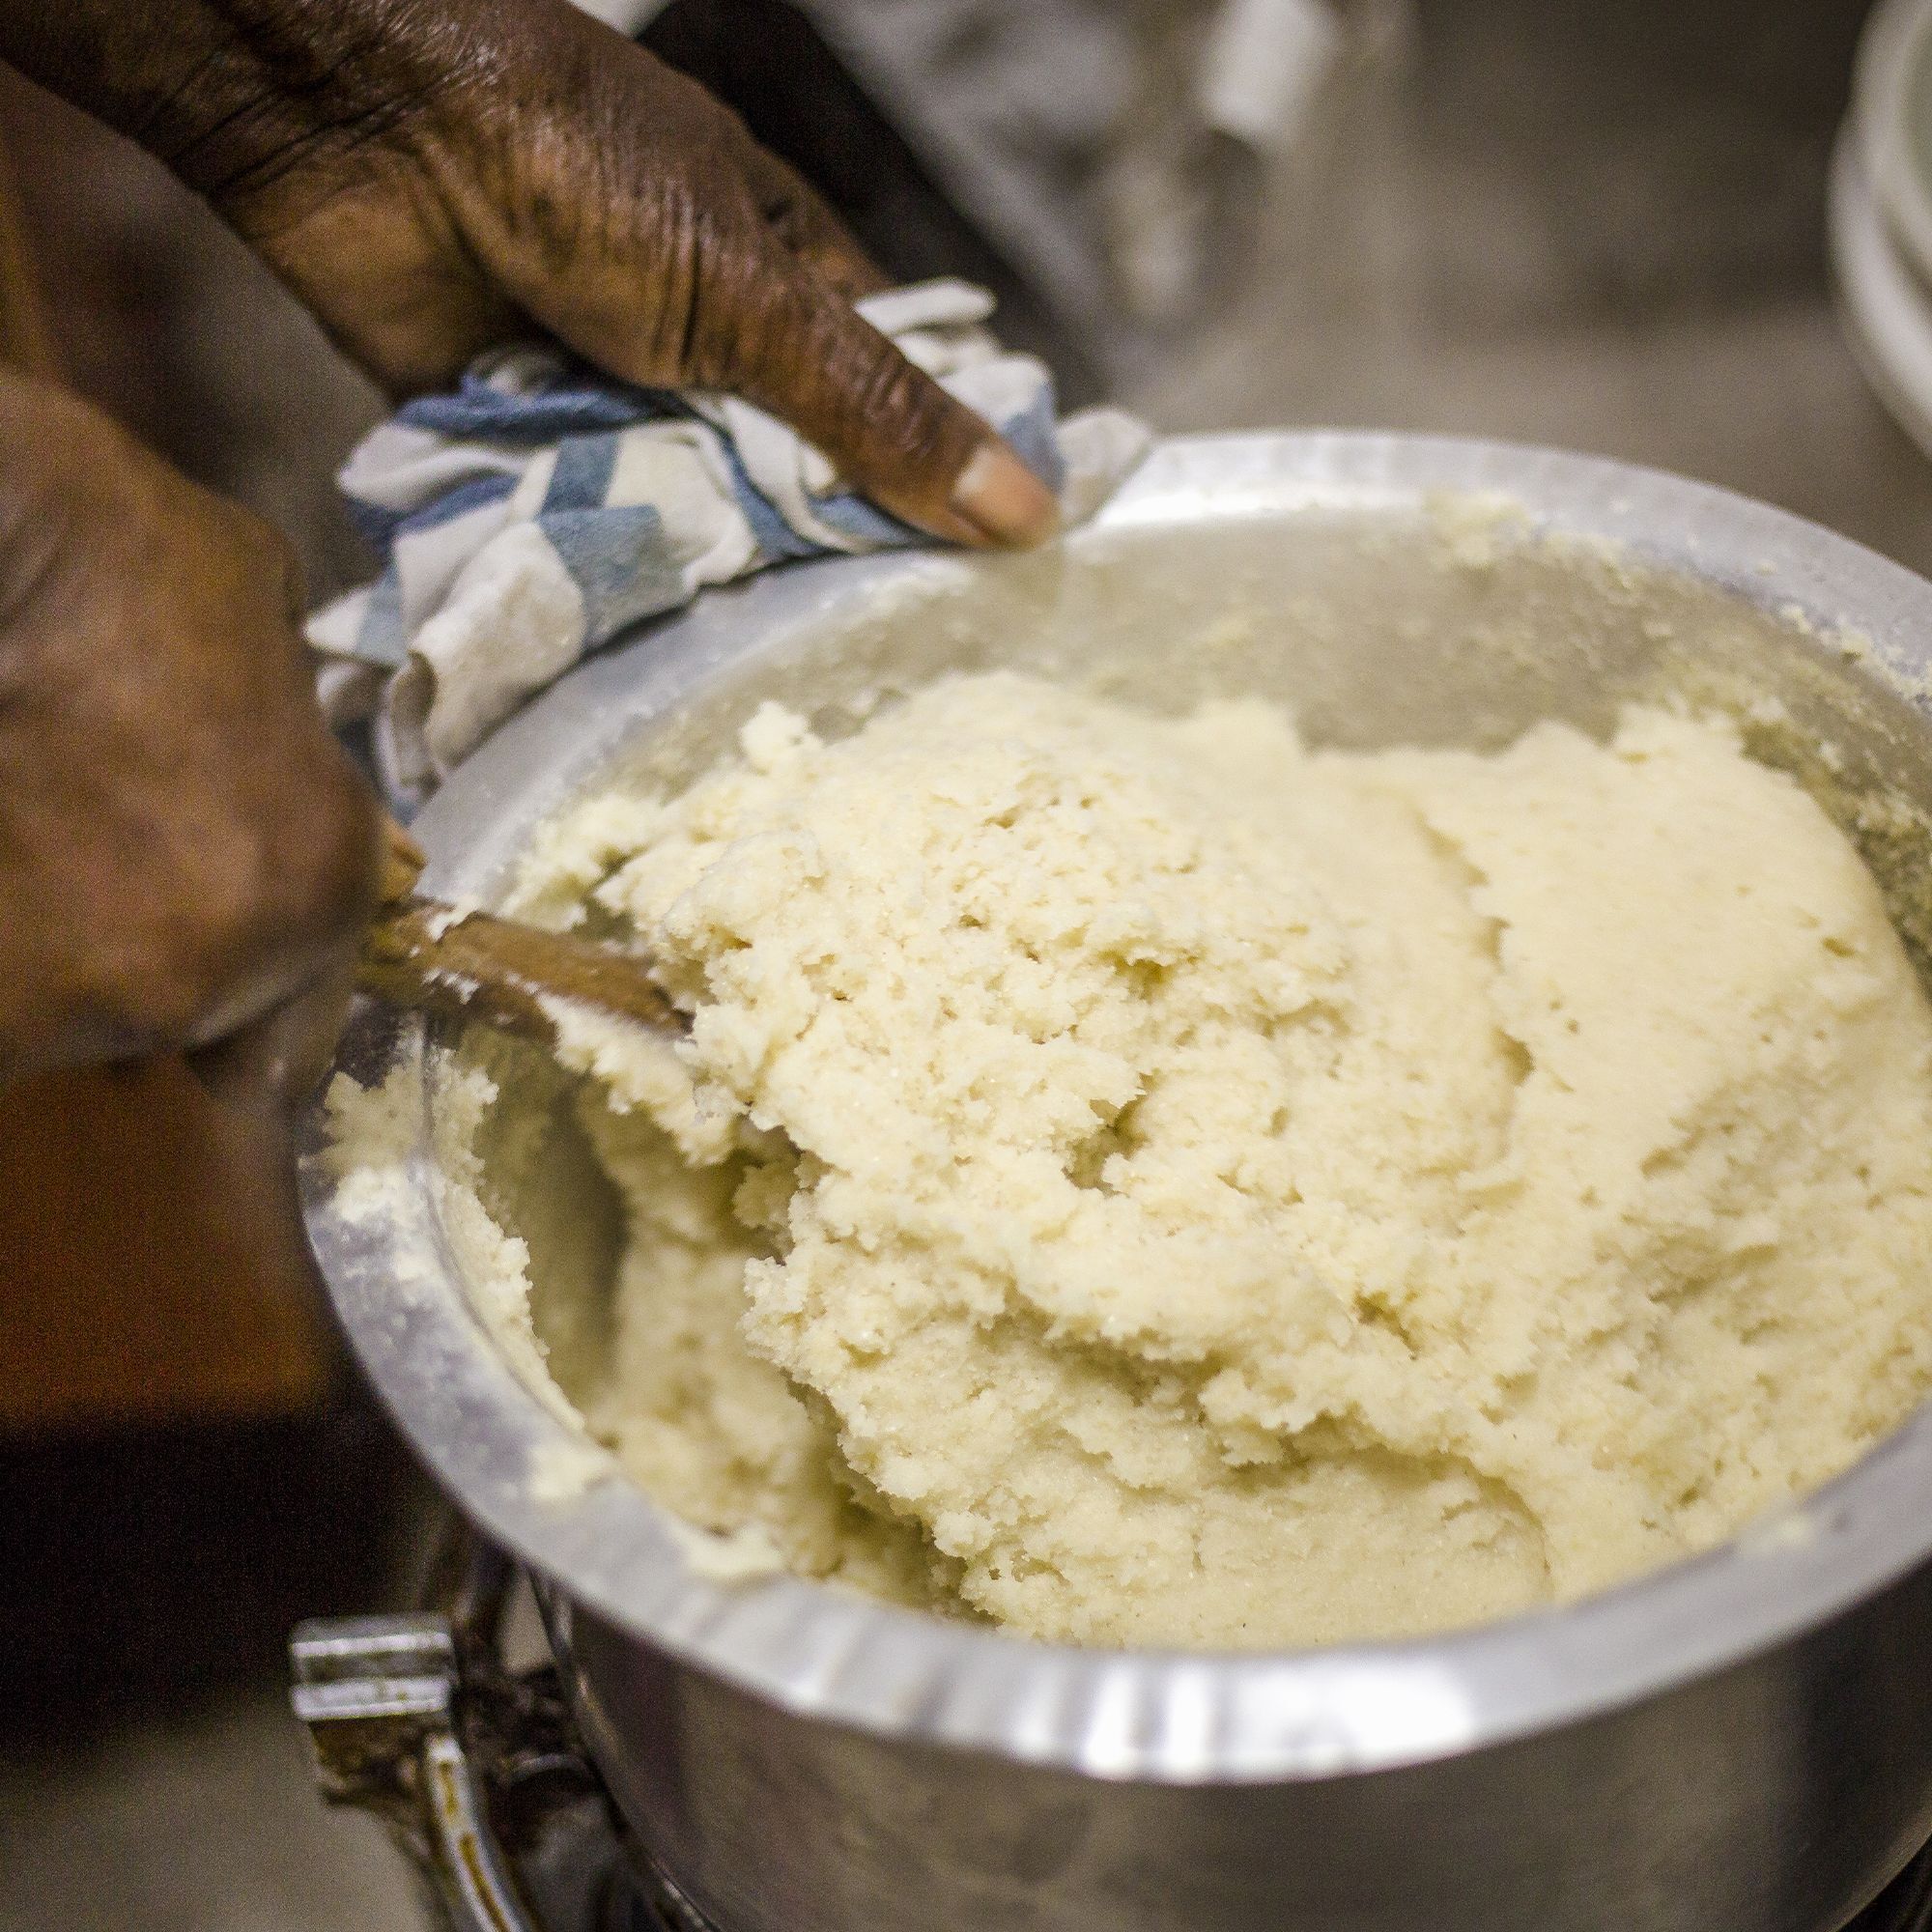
point(699, 116)
point(730, 307)
point(897, 415)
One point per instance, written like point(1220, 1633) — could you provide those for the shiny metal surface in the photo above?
point(1735, 1744)
point(379, 1695)
point(472, 1767)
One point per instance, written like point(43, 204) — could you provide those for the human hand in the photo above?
point(434, 179)
point(186, 858)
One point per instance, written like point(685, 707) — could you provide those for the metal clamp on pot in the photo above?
point(474, 1770)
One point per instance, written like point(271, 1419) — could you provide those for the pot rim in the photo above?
point(507, 1455)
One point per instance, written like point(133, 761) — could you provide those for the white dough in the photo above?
point(1144, 1183)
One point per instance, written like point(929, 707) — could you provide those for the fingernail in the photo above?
point(1002, 500)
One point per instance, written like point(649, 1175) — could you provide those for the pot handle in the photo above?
point(415, 1719)
point(380, 1696)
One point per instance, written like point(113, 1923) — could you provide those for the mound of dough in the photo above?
point(1142, 1181)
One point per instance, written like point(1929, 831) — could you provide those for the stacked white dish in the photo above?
point(1881, 212)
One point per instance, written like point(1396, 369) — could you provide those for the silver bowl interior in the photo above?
point(1389, 590)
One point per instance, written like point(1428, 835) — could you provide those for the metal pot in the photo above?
point(1739, 1744)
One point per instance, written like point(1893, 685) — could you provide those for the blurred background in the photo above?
point(1601, 225)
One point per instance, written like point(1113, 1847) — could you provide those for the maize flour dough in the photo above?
point(1143, 1181)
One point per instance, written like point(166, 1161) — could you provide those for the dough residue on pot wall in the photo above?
point(1142, 1181)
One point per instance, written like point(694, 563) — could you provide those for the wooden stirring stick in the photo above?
point(439, 959)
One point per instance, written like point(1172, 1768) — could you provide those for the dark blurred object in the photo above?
point(767, 60)
point(1139, 162)
point(26, 330)
point(146, 1572)
point(1644, 158)
point(155, 1266)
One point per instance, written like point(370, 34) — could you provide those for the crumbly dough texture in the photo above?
point(1142, 1181)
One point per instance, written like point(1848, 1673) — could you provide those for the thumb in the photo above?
point(790, 343)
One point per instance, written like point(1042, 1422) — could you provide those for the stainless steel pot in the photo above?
point(1740, 1743)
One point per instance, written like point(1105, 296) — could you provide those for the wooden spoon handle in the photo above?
point(475, 966)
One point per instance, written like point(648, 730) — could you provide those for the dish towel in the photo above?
point(542, 511)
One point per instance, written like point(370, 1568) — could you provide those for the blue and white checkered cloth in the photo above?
point(542, 511)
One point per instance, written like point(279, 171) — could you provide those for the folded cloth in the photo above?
point(541, 511)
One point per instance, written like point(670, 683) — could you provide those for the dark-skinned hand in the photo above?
point(181, 849)
point(434, 177)
point(184, 851)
